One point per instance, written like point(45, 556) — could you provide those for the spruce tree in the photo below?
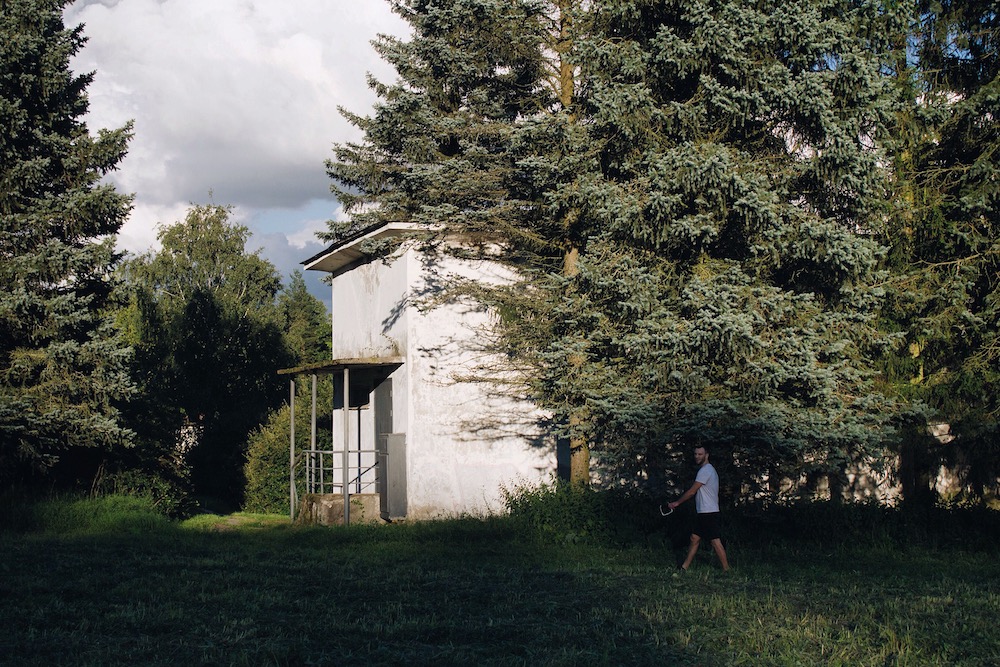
point(480, 135)
point(945, 241)
point(306, 322)
point(689, 191)
point(62, 367)
point(730, 295)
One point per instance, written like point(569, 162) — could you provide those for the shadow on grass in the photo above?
point(819, 585)
point(464, 592)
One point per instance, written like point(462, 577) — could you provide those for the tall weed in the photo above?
point(111, 515)
point(560, 513)
point(170, 497)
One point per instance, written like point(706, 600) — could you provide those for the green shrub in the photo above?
point(266, 468)
point(561, 512)
point(171, 498)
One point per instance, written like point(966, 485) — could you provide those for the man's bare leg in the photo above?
point(692, 550)
point(720, 551)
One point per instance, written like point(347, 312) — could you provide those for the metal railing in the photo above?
point(322, 465)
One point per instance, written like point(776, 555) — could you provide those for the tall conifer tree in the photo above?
point(480, 134)
point(61, 366)
point(306, 322)
point(727, 295)
point(690, 202)
point(945, 240)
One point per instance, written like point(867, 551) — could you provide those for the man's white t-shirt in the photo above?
point(707, 498)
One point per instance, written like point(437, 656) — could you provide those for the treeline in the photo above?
point(144, 375)
point(769, 226)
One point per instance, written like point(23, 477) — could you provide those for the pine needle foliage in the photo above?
point(62, 366)
point(436, 149)
point(731, 292)
point(944, 238)
point(693, 216)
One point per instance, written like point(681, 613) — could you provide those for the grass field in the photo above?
point(89, 583)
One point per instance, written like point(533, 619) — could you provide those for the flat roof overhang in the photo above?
point(338, 365)
point(346, 252)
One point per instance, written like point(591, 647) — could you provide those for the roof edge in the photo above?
point(347, 250)
point(336, 365)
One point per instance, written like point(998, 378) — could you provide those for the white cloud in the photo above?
point(138, 234)
point(234, 97)
point(306, 235)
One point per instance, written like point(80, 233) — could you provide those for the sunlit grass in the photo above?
point(255, 590)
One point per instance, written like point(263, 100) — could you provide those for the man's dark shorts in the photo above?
point(707, 526)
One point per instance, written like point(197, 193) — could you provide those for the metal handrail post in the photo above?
point(312, 433)
point(291, 451)
point(347, 439)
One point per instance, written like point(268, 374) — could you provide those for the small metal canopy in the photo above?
point(344, 366)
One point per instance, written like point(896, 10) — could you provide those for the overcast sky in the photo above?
point(237, 98)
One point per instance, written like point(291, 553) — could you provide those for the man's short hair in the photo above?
point(705, 447)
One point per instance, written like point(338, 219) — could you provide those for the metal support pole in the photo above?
point(291, 451)
point(357, 486)
point(312, 436)
point(347, 438)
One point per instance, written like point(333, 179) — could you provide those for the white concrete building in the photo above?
point(430, 426)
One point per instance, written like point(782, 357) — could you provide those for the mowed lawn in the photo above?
point(247, 590)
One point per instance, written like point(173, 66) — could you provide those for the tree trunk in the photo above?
point(579, 448)
point(579, 456)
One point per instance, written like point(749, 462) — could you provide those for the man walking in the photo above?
point(706, 493)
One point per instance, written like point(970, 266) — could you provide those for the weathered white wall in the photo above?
point(369, 310)
point(469, 442)
point(465, 442)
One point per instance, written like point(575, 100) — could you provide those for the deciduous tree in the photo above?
point(210, 330)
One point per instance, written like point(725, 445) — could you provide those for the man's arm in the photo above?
point(688, 495)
